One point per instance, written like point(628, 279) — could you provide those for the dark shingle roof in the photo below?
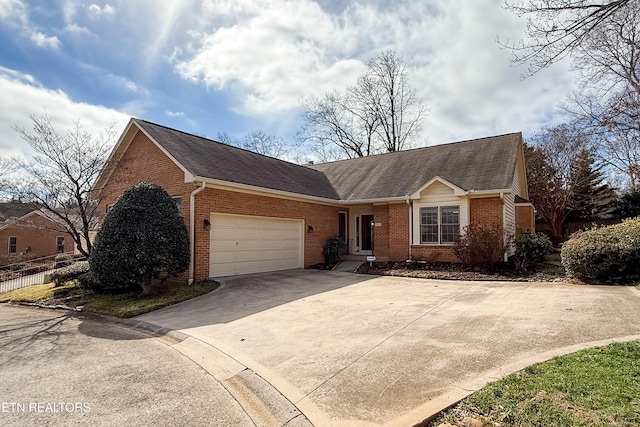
point(480, 164)
point(12, 210)
point(210, 159)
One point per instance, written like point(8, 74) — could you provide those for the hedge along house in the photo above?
point(249, 213)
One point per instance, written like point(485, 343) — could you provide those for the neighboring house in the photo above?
point(252, 213)
point(32, 234)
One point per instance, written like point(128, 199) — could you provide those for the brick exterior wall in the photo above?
point(525, 218)
point(144, 162)
point(486, 211)
point(399, 232)
point(36, 237)
point(433, 253)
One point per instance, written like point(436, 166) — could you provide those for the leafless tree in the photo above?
point(60, 176)
point(550, 157)
point(560, 28)
point(379, 113)
point(260, 142)
point(614, 123)
point(8, 165)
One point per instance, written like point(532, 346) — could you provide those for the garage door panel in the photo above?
point(242, 245)
point(224, 257)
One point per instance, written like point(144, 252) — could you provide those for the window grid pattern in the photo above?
point(439, 224)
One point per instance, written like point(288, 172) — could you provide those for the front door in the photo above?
point(366, 229)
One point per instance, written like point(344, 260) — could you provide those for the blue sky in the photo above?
point(233, 66)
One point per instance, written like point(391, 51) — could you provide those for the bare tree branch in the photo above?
point(380, 113)
point(559, 28)
point(60, 175)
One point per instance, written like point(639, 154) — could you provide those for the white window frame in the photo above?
point(438, 224)
point(417, 218)
point(15, 245)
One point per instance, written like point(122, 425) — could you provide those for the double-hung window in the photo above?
point(439, 224)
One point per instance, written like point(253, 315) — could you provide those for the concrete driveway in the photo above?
point(57, 369)
point(350, 350)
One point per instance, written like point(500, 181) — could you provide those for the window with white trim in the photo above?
point(13, 244)
point(439, 224)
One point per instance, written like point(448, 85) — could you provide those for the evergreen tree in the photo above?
point(143, 240)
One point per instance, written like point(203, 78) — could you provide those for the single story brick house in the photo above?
point(249, 213)
point(31, 234)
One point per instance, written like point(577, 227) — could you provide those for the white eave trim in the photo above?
point(486, 192)
point(217, 183)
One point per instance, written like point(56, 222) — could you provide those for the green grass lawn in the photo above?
point(593, 387)
point(120, 305)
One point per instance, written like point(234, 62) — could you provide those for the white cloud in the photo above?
point(174, 113)
point(74, 28)
point(14, 11)
point(42, 40)
point(23, 96)
point(273, 53)
point(127, 84)
point(268, 56)
point(95, 12)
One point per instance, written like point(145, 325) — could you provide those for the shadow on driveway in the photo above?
point(243, 296)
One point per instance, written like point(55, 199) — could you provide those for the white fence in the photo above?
point(33, 271)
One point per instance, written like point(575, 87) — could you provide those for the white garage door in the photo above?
point(249, 244)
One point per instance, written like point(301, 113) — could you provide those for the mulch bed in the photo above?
point(455, 271)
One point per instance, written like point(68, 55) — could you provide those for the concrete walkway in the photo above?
point(351, 350)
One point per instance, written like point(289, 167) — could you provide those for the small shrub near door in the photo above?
point(604, 254)
point(331, 249)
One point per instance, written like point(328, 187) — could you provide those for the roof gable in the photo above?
point(15, 221)
point(477, 165)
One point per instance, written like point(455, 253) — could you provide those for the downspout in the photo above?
point(192, 229)
point(504, 227)
point(410, 225)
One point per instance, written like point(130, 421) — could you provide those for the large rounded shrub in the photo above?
point(605, 254)
point(142, 240)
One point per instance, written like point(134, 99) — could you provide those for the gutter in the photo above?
point(192, 229)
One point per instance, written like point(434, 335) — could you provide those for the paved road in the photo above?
point(61, 370)
point(352, 350)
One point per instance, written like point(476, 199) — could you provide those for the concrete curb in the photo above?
point(262, 402)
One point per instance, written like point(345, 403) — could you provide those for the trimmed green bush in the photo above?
point(530, 249)
point(88, 281)
point(331, 249)
point(604, 254)
point(68, 273)
point(142, 241)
